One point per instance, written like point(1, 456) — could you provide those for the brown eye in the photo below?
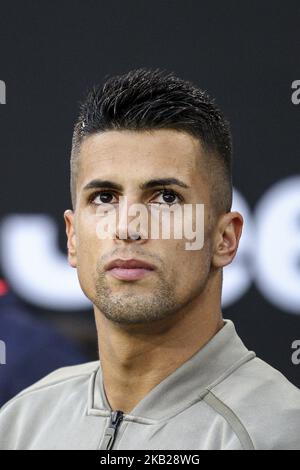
point(103, 197)
point(168, 197)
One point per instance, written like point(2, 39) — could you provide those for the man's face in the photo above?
point(130, 159)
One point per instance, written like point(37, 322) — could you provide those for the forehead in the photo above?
point(135, 156)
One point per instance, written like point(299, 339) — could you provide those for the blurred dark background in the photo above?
point(246, 55)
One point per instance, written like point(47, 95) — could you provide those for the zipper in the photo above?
point(111, 431)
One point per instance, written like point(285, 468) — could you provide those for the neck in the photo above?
point(136, 358)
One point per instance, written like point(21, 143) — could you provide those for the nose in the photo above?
point(132, 221)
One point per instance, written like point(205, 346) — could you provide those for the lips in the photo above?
point(129, 264)
point(129, 270)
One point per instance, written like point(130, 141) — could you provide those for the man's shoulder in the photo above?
point(262, 383)
point(58, 377)
point(264, 402)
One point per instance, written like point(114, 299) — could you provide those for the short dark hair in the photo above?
point(145, 99)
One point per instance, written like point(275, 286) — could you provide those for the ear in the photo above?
point(70, 231)
point(226, 239)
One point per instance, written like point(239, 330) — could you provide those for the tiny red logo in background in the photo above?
point(3, 287)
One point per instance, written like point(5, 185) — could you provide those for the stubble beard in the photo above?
point(130, 307)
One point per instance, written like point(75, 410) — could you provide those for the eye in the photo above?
point(101, 197)
point(169, 197)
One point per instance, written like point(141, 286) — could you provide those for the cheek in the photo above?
point(193, 263)
point(181, 263)
point(188, 269)
point(87, 243)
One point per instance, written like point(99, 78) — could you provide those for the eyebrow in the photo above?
point(107, 184)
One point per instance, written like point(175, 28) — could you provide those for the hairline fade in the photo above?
point(144, 99)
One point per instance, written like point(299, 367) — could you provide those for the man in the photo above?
point(172, 373)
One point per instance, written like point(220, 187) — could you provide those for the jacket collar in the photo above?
point(189, 383)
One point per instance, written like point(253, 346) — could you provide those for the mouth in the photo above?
point(130, 269)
